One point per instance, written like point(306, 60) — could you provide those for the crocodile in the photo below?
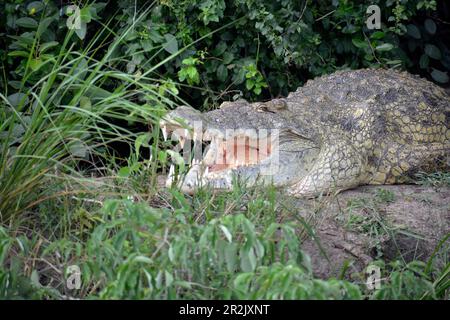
point(337, 132)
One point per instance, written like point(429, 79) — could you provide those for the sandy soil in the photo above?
point(376, 222)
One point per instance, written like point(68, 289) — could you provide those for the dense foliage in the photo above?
point(270, 48)
point(207, 247)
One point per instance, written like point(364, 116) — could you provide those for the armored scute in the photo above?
point(335, 133)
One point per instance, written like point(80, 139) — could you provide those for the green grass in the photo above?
point(436, 179)
point(65, 117)
point(241, 245)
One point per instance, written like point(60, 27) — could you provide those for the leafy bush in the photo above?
point(138, 251)
point(64, 111)
point(270, 49)
point(180, 251)
point(273, 47)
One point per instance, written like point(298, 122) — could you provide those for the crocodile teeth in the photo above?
point(171, 172)
point(205, 173)
point(196, 136)
point(182, 141)
point(164, 132)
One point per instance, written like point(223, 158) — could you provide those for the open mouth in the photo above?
point(236, 152)
point(215, 155)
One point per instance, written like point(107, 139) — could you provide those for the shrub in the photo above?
point(270, 49)
point(273, 47)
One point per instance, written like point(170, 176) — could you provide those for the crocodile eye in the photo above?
point(272, 106)
point(263, 107)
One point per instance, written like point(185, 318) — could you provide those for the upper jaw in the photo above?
point(188, 123)
point(205, 169)
point(180, 122)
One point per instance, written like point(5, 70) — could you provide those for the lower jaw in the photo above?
point(220, 180)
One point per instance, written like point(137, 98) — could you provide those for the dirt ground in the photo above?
point(404, 222)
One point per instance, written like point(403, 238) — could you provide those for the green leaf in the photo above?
point(171, 254)
point(391, 62)
point(81, 31)
point(182, 75)
point(169, 278)
point(124, 172)
point(16, 98)
point(239, 77)
point(227, 57)
point(176, 158)
point(35, 64)
point(85, 103)
point(25, 40)
point(377, 35)
point(384, 47)
point(248, 260)
point(430, 26)
point(220, 48)
point(222, 73)
point(249, 84)
point(147, 45)
point(85, 14)
point(171, 44)
point(192, 72)
point(231, 257)
point(35, 279)
point(439, 76)
point(17, 53)
point(360, 43)
point(78, 149)
point(15, 84)
point(36, 5)
point(227, 233)
point(44, 24)
point(413, 31)
point(142, 140)
point(424, 61)
point(433, 52)
point(143, 259)
point(45, 46)
point(27, 22)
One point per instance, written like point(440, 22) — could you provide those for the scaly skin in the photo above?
point(364, 126)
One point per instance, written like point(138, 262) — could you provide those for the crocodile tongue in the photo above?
point(235, 152)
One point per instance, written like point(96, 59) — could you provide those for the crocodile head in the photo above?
point(239, 140)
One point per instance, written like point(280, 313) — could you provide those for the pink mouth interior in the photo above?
point(240, 151)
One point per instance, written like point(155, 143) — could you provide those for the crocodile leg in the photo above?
point(339, 166)
point(395, 163)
